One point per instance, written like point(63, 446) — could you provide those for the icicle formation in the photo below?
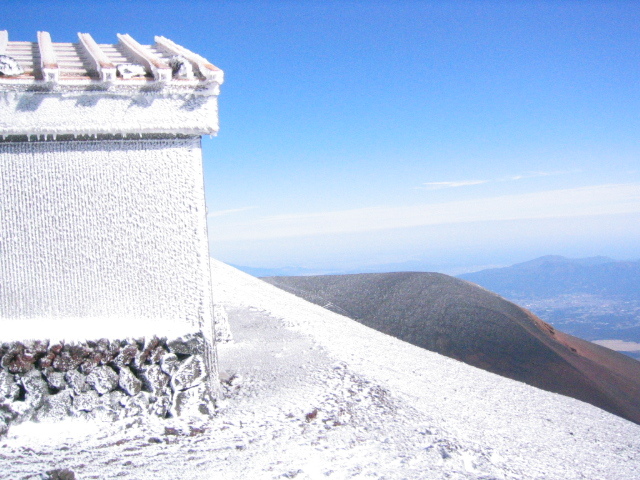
point(9, 67)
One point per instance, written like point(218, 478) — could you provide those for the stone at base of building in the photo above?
point(103, 380)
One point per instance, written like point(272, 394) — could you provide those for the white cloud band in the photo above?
point(575, 202)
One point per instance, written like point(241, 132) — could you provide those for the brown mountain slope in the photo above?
point(466, 322)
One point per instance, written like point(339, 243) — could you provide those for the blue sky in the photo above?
point(436, 135)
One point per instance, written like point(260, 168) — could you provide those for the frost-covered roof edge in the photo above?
point(86, 88)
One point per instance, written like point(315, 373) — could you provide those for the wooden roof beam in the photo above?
point(160, 70)
point(206, 69)
point(105, 68)
point(48, 62)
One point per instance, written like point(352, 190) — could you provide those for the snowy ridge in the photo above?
point(310, 394)
point(545, 434)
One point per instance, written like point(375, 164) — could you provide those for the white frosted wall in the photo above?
point(103, 230)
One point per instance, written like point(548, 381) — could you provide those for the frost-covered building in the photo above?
point(102, 215)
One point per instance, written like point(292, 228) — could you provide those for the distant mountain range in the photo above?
point(466, 322)
point(593, 298)
point(553, 275)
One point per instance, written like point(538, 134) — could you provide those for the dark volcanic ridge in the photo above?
point(461, 320)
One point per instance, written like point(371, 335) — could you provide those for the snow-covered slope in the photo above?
point(312, 394)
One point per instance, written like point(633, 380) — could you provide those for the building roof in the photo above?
point(87, 62)
point(86, 88)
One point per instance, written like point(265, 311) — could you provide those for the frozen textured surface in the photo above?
point(49, 88)
point(311, 394)
point(99, 112)
point(98, 235)
point(100, 380)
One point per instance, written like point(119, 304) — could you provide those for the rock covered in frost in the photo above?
point(36, 347)
point(154, 380)
point(126, 355)
point(77, 381)
point(56, 407)
point(4, 427)
point(103, 379)
point(47, 360)
point(55, 379)
point(138, 405)
point(9, 389)
point(146, 355)
point(16, 359)
point(192, 402)
point(9, 66)
point(86, 401)
point(59, 474)
point(71, 357)
point(116, 399)
point(36, 389)
point(161, 407)
point(190, 344)
point(129, 382)
point(169, 363)
point(189, 374)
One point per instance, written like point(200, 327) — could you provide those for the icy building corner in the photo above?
point(103, 234)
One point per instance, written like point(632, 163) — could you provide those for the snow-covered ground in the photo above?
point(311, 394)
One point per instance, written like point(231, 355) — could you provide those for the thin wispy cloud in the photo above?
point(526, 175)
point(222, 213)
point(467, 183)
point(461, 183)
point(574, 202)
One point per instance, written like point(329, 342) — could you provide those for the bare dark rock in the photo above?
point(77, 381)
point(103, 379)
point(190, 373)
point(129, 382)
point(191, 344)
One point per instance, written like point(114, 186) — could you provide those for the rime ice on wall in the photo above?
point(93, 230)
point(105, 237)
